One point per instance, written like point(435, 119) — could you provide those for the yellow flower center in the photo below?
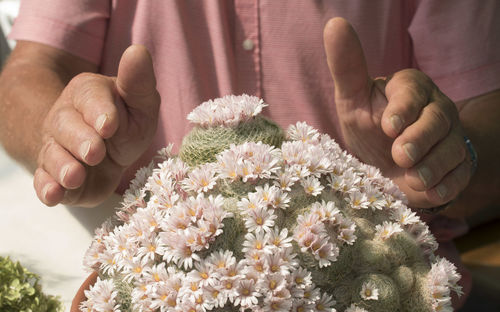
point(272, 284)
point(194, 286)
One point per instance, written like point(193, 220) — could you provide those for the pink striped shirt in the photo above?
point(271, 48)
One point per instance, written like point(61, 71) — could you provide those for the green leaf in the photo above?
point(20, 290)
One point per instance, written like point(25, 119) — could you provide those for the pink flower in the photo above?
point(303, 132)
point(200, 179)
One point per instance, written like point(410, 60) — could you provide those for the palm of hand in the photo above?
point(362, 130)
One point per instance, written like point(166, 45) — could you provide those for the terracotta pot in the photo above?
point(80, 295)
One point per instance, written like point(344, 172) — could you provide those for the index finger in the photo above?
point(94, 97)
point(407, 93)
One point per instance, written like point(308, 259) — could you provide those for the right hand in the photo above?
point(98, 127)
point(424, 152)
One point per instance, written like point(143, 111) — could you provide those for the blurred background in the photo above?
point(51, 241)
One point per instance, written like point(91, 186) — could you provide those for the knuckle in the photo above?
point(440, 119)
point(414, 97)
point(83, 88)
point(422, 85)
point(411, 99)
point(419, 97)
point(423, 138)
point(83, 79)
point(421, 77)
point(84, 94)
point(409, 73)
point(59, 120)
point(417, 76)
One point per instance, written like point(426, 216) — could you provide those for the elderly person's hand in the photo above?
point(98, 126)
point(402, 124)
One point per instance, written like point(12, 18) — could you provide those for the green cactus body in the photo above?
point(202, 144)
point(368, 242)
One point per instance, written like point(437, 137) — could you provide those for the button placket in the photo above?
point(248, 45)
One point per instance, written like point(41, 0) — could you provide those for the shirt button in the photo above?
point(248, 44)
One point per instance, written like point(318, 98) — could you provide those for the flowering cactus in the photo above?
point(250, 218)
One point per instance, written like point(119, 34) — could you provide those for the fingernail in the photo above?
point(84, 149)
point(396, 123)
point(101, 120)
point(63, 173)
point(425, 175)
point(45, 190)
point(411, 151)
point(442, 190)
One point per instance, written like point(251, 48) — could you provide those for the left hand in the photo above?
point(402, 124)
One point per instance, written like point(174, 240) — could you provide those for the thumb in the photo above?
point(346, 60)
point(136, 82)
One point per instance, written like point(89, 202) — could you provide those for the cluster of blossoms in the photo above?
point(228, 111)
point(320, 231)
point(443, 279)
point(300, 227)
